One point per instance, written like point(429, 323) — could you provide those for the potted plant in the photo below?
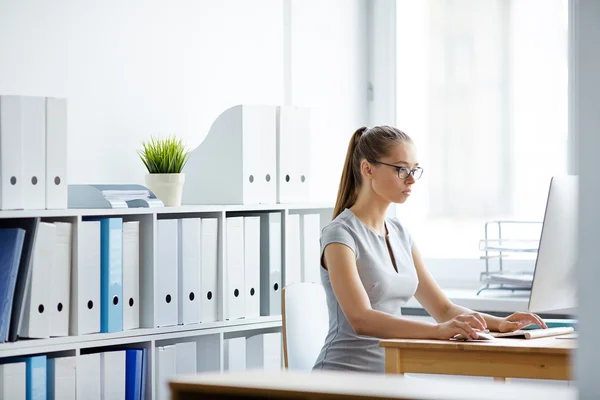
point(165, 158)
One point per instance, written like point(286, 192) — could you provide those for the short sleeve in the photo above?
point(337, 233)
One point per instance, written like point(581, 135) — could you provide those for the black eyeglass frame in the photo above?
point(417, 173)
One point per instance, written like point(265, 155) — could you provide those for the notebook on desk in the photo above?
point(534, 333)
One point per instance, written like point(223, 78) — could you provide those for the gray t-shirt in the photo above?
point(387, 289)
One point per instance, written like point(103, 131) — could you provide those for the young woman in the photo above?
point(371, 265)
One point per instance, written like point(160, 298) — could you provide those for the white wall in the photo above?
point(142, 67)
point(329, 69)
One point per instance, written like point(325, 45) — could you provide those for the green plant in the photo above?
point(164, 156)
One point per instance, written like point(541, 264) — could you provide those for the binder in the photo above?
point(264, 352)
point(165, 370)
point(259, 154)
point(185, 358)
point(234, 298)
point(241, 145)
point(189, 270)
point(166, 299)
point(293, 138)
point(34, 152)
point(61, 379)
point(134, 359)
point(111, 274)
point(11, 150)
point(131, 275)
point(234, 354)
point(88, 379)
point(60, 290)
point(30, 226)
point(270, 264)
point(293, 264)
point(35, 377)
point(252, 265)
point(209, 267)
point(85, 279)
point(310, 227)
point(112, 375)
point(11, 246)
point(13, 381)
point(56, 154)
point(36, 316)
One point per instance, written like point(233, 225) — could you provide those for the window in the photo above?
point(482, 89)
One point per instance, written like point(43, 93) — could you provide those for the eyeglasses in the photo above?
point(403, 172)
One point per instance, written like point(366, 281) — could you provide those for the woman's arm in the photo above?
point(437, 304)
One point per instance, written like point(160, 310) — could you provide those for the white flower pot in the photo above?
point(167, 187)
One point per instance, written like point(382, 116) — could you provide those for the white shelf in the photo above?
point(38, 346)
point(210, 337)
point(74, 212)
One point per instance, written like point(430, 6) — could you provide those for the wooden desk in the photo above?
point(545, 358)
point(320, 385)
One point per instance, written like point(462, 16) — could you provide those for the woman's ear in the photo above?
point(366, 169)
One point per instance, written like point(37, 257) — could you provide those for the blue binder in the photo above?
point(11, 246)
point(133, 374)
point(35, 373)
point(111, 274)
point(30, 226)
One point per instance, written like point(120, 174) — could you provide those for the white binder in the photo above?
point(62, 378)
point(235, 293)
point(293, 139)
point(264, 352)
point(36, 316)
point(189, 270)
point(166, 299)
point(252, 266)
point(234, 354)
point(13, 384)
point(56, 153)
point(209, 292)
point(34, 152)
point(185, 358)
point(85, 279)
point(270, 264)
point(112, 375)
point(60, 289)
point(241, 145)
point(88, 374)
point(131, 275)
point(11, 153)
point(310, 227)
point(293, 262)
point(166, 369)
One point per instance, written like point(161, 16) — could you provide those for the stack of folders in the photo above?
point(110, 375)
point(50, 287)
point(186, 271)
point(109, 253)
point(261, 351)
point(253, 270)
point(172, 360)
point(33, 153)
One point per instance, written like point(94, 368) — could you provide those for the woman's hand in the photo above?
point(520, 320)
point(465, 324)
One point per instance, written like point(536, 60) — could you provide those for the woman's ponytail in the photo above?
point(350, 180)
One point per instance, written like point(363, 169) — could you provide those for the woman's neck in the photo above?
point(371, 212)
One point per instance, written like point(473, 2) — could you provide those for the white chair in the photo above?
point(305, 322)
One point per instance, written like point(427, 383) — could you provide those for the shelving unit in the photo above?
point(209, 336)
